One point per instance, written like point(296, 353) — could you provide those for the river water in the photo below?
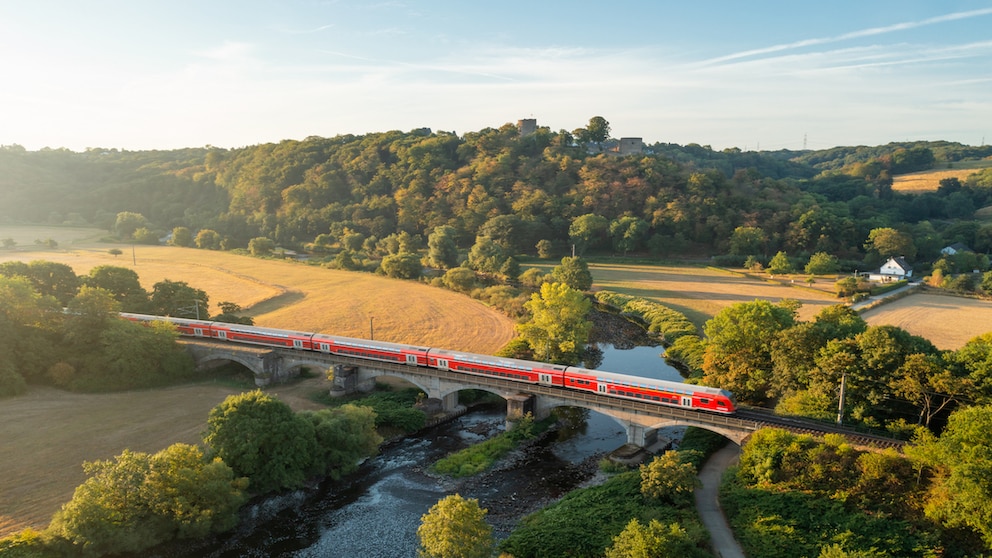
point(376, 512)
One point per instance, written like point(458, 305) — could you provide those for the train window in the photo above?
point(721, 404)
point(704, 401)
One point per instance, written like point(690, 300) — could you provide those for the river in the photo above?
point(376, 512)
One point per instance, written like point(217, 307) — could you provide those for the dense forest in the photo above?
point(541, 192)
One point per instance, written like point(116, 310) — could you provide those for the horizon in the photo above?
point(758, 78)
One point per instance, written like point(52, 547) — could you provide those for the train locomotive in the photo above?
point(610, 384)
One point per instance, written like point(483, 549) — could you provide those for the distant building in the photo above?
point(630, 146)
point(527, 126)
point(954, 249)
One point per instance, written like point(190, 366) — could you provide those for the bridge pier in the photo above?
point(640, 435)
point(450, 402)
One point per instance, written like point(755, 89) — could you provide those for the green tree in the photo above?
point(261, 246)
point(128, 222)
point(597, 132)
point(780, 264)
point(573, 272)
point(588, 231)
point(207, 239)
point(557, 330)
point(138, 500)
point(822, 263)
point(442, 249)
point(654, 540)
point(345, 436)
point(461, 279)
point(486, 256)
point(178, 299)
point(261, 438)
point(533, 278)
point(48, 278)
point(961, 464)
point(669, 477)
point(345, 259)
point(144, 235)
point(975, 360)
point(891, 242)
point(29, 324)
point(628, 233)
point(402, 266)
point(925, 381)
point(544, 248)
point(122, 283)
point(455, 527)
point(88, 315)
point(748, 241)
point(738, 349)
point(181, 236)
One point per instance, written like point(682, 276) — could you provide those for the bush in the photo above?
point(11, 383)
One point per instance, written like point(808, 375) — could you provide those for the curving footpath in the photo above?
point(708, 505)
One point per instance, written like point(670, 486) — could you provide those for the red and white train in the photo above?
point(608, 383)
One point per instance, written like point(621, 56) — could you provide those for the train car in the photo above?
point(269, 337)
point(663, 392)
point(376, 350)
point(509, 368)
point(186, 327)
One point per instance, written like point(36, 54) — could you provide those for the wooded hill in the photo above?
point(668, 200)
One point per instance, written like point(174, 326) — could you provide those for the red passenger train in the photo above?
point(611, 384)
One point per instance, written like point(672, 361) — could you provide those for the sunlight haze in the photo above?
point(768, 75)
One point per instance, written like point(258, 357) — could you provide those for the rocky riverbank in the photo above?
point(619, 331)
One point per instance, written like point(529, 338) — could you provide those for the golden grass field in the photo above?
point(947, 321)
point(929, 181)
point(701, 292)
point(47, 433)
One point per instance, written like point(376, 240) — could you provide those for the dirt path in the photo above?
point(708, 504)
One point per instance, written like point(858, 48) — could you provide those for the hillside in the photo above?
point(324, 194)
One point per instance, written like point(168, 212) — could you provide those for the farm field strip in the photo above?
point(700, 293)
point(947, 321)
point(929, 181)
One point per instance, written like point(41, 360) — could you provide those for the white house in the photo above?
point(955, 249)
point(896, 269)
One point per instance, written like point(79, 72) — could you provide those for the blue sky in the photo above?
point(755, 75)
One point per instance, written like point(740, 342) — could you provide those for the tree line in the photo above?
point(510, 195)
point(64, 330)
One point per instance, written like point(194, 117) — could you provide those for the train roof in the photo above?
point(494, 360)
point(642, 381)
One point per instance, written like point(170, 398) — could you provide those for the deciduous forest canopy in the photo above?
point(553, 188)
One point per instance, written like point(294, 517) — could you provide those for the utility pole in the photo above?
point(371, 337)
point(840, 406)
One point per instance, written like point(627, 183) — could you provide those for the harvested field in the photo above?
point(929, 181)
point(947, 321)
point(700, 293)
point(293, 295)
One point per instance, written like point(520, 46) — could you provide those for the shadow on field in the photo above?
point(274, 303)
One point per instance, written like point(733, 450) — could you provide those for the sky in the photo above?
point(761, 75)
